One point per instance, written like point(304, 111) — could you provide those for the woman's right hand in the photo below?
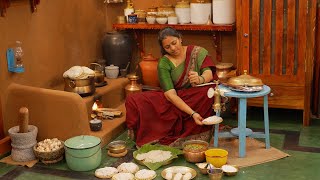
point(197, 119)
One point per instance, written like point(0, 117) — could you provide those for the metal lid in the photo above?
point(244, 80)
point(82, 142)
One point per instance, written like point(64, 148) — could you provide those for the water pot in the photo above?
point(149, 70)
point(117, 48)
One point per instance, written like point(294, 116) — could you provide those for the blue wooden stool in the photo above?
point(241, 131)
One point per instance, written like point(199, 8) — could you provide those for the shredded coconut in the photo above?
point(123, 176)
point(106, 172)
point(145, 174)
point(228, 168)
point(128, 167)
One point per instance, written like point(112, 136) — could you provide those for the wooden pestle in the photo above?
point(23, 120)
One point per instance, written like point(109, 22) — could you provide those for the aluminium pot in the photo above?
point(83, 87)
point(83, 153)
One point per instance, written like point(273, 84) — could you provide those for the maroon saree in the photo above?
point(154, 118)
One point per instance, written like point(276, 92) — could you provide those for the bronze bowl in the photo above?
point(193, 150)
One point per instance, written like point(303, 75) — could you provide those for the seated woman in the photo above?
point(174, 115)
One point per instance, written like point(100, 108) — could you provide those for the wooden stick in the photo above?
point(24, 120)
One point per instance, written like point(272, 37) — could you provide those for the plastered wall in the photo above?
point(64, 33)
point(59, 35)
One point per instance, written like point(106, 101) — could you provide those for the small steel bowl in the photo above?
point(117, 147)
point(194, 155)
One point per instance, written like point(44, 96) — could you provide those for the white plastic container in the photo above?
point(172, 20)
point(182, 10)
point(112, 71)
point(200, 12)
point(223, 11)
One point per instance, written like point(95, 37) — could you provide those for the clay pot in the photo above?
point(117, 48)
point(149, 70)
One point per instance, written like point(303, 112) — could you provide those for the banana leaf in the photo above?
point(148, 147)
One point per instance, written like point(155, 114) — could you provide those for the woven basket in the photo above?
point(51, 156)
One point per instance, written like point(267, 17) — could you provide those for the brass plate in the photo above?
point(176, 169)
point(247, 89)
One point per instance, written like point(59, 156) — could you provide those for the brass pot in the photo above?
point(98, 73)
point(83, 87)
point(195, 155)
point(222, 71)
point(133, 86)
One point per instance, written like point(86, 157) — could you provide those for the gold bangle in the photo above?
point(203, 79)
point(192, 113)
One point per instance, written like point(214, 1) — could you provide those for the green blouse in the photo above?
point(169, 75)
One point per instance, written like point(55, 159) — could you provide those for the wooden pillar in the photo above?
point(316, 74)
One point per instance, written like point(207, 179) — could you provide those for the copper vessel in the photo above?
point(149, 70)
point(133, 86)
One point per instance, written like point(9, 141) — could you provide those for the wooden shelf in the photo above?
point(215, 30)
point(190, 27)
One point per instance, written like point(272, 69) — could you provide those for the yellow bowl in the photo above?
point(217, 157)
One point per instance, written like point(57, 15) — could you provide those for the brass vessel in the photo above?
point(133, 86)
point(223, 70)
point(244, 80)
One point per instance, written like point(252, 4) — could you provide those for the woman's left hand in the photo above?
point(194, 77)
point(197, 119)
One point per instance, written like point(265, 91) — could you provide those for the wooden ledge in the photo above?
point(190, 27)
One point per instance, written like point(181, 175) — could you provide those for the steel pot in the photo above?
point(83, 153)
point(83, 87)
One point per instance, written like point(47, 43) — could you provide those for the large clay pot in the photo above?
point(149, 70)
point(117, 48)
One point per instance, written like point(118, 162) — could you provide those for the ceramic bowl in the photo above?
point(162, 20)
point(112, 71)
point(151, 19)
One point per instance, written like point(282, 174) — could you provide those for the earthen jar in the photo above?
point(133, 86)
point(149, 70)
